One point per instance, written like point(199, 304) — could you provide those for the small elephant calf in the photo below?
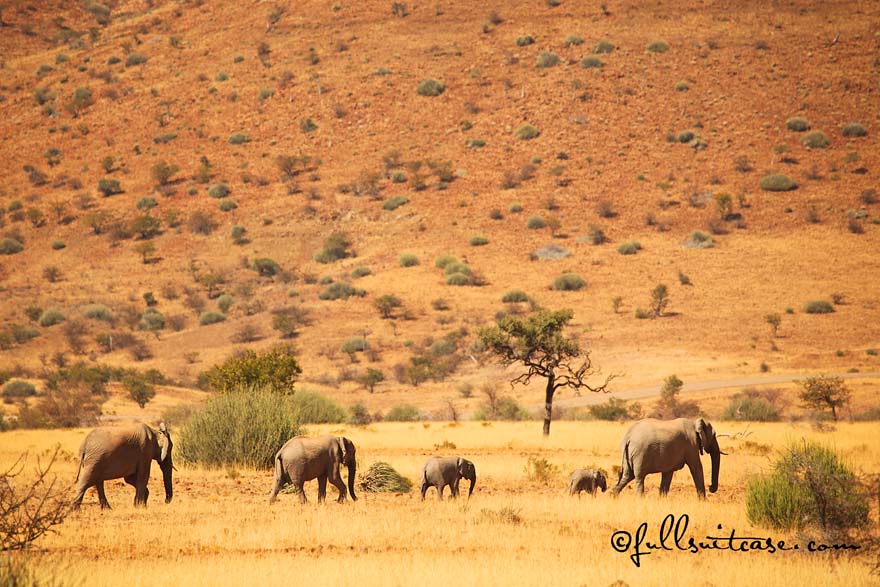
point(587, 480)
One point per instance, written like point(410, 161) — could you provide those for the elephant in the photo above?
point(303, 458)
point(442, 471)
point(124, 452)
point(665, 446)
point(587, 480)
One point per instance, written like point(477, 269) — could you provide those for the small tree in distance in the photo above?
point(371, 378)
point(537, 342)
point(774, 320)
point(824, 392)
point(659, 299)
point(139, 389)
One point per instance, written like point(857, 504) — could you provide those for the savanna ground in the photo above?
point(220, 530)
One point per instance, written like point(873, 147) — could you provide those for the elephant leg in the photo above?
point(640, 485)
point(337, 482)
point(440, 489)
point(322, 488)
point(626, 475)
point(300, 492)
point(80, 493)
point(275, 489)
point(696, 468)
point(102, 497)
point(665, 482)
point(425, 486)
point(454, 488)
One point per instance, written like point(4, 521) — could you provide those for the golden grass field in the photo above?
point(220, 530)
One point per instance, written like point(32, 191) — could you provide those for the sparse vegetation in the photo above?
point(569, 282)
point(854, 129)
point(526, 132)
point(657, 46)
point(777, 182)
point(815, 140)
point(430, 88)
point(819, 307)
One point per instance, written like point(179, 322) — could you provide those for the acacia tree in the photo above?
point(537, 342)
point(824, 392)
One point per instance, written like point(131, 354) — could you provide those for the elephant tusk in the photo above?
point(722, 452)
point(173, 468)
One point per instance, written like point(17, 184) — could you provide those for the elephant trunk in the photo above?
point(167, 469)
point(473, 481)
point(716, 466)
point(352, 469)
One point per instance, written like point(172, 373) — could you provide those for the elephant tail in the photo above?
point(82, 458)
point(626, 463)
point(279, 468)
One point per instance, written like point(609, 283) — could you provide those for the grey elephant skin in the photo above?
point(588, 480)
point(665, 446)
point(304, 458)
point(442, 471)
point(124, 452)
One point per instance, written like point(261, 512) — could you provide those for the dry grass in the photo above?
point(220, 530)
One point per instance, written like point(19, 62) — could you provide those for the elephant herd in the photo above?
point(649, 446)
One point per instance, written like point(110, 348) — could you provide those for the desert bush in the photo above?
point(266, 267)
point(458, 279)
point(797, 124)
point(64, 407)
point(274, 370)
point(201, 223)
point(524, 41)
point(569, 282)
point(443, 261)
point(395, 202)
point(135, 59)
point(629, 248)
point(139, 389)
point(403, 413)
point(51, 318)
point(819, 307)
point(615, 410)
point(146, 203)
point(573, 40)
point(547, 59)
point(596, 235)
point(359, 415)
point(408, 260)
point(750, 406)
point(314, 408)
point(603, 46)
point(657, 46)
point(810, 487)
point(698, 240)
point(19, 388)
point(815, 140)
point(536, 223)
point(10, 246)
point(669, 405)
point(591, 62)
point(151, 320)
point(239, 138)
point(238, 428)
point(515, 296)
point(777, 182)
point(341, 290)
point(541, 470)
point(380, 477)
point(336, 246)
point(109, 187)
point(682, 86)
point(526, 132)
point(430, 88)
point(224, 302)
point(208, 318)
point(854, 129)
point(220, 190)
point(361, 271)
point(356, 344)
point(478, 241)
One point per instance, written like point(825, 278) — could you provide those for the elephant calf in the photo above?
point(587, 480)
point(125, 452)
point(442, 471)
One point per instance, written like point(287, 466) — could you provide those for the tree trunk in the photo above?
point(548, 403)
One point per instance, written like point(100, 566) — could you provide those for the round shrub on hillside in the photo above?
point(777, 182)
point(239, 138)
point(221, 190)
point(403, 413)
point(58, 245)
point(224, 302)
point(629, 248)
point(146, 203)
point(569, 282)
point(443, 260)
point(266, 267)
point(698, 240)
point(535, 223)
point(514, 296)
point(603, 46)
point(97, 312)
point(547, 59)
point(152, 319)
point(408, 260)
point(524, 41)
point(356, 344)
point(458, 279)
point(819, 307)
point(797, 124)
point(854, 129)
point(341, 291)
point(575, 40)
point(591, 61)
point(227, 205)
point(515, 208)
point(208, 318)
point(51, 318)
point(395, 202)
point(238, 428)
point(135, 59)
point(750, 408)
point(526, 132)
point(361, 272)
point(657, 46)
point(430, 88)
point(10, 246)
point(682, 86)
point(19, 388)
point(478, 241)
point(815, 140)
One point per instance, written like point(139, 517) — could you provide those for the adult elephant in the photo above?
point(124, 452)
point(586, 480)
point(665, 446)
point(304, 458)
point(442, 471)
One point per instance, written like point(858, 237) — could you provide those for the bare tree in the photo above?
point(29, 508)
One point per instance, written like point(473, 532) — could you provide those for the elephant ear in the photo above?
point(165, 442)
point(702, 435)
point(339, 449)
point(348, 449)
point(459, 465)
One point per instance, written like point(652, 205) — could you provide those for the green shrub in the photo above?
point(457, 267)
point(797, 124)
point(524, 41)
point(815, 140)
point(241, 429)
point(443, 260)
point(615, 410)
point(591, 61)
point(514, 296)
point(221, 76)
point(685, 136)
point(51, 318)
point(208, 318)
point(19, 388)
point(380, 477)
point(657, 46)
point(58, 245)
point(221, 190)
point(503, 408)
point(699, 240)
point(146, 203)
point(642, 314)
point(430, 88)
point(265, 93)
point(547, 59)
point(603, 46)
point(151, 319)
point(682, 86)
point(224, 302)
point(275, 370)
point(629, 248)
point(515, 208)
point(336, 247)
point(266, 267)
point(227, 205)
point(135, 59)
point(307, 125)
point(310, 407)
point(536, 223)
point(395, 202)
point(341, 291)
point(819, 307)
point(809, 487)
point(356, 344)
point(403, 413)
point(573, 40)
point(108, 187)
point(458, 279)
point(239, 139)
point(526, 132)
point(98, 312)
point(478, 241)
point(569, 282)
point(750, 407)
point(408, 260)
point(10, 246)
point(854, 129)
point(777, 182)
point(361, 272)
